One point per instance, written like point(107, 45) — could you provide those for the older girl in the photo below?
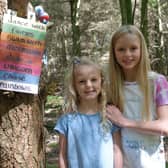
point(140, 100)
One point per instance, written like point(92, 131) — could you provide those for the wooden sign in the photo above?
point(21, 49)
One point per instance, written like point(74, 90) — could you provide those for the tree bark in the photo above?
point(21, 131)
point(20, 6)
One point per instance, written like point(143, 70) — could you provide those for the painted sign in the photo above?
point(21, 49)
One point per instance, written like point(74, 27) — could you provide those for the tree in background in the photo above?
point(128, 8)
point(126, 12)
point(160, 35)
point(144, 20)
point(74, 5)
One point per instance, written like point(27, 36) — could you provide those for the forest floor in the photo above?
point(52, 113)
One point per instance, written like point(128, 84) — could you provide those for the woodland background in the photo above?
point(87, 29)
point(79, 28)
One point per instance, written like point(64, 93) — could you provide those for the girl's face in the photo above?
point(128, 53)
point(87, 82)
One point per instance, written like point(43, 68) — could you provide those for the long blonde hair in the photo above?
point(116, 76)
point(72, 99)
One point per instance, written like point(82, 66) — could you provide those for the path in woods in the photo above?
point(51, 115)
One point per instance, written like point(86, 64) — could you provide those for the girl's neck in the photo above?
point(130, 76)
point(89, 107)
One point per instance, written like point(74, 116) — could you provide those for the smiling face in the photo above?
point(87, 80)
point(128, 53)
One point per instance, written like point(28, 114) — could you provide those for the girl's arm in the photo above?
point(155, 127)
point(118, 158)
point(62, 151)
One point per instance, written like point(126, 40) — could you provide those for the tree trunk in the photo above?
point(74, 5)
point(20, 6)
point(3, 9)
point(144, 20)
point(21, 131)
point(21, 124)
point(126, 12)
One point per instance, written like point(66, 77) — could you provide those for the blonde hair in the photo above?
point(116, 76)
point(72, 100)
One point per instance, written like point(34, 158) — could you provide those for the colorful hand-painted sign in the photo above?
point(21, 49)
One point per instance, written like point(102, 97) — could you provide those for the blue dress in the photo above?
point(89, 145)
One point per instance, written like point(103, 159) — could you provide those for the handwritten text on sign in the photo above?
point(21, 49)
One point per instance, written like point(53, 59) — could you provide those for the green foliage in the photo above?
point(51, 165)
point(35, 2)
point(54, 101)
point(50, 126)
point(152, 3)
point(53, 145)
point(53, 108)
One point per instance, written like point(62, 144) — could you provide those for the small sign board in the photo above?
point(21, 50)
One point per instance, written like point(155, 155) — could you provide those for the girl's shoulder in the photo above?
point(160, 85)
point(158, 80)
point(62, 124)
point(156, 77)
point(68, 116)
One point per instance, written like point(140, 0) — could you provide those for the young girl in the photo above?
point(85, 136)
point(141, 96)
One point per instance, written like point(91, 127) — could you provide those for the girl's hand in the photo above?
point(115, 116)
